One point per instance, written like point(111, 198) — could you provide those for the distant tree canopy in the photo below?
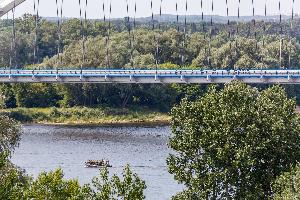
point(167, 47)
point(225, 53)
point(233, 143)
point(251, 47)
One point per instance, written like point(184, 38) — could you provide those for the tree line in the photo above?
point(202, 46)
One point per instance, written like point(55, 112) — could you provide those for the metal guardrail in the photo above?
point(150, 76)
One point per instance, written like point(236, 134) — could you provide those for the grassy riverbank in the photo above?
point(83, 115)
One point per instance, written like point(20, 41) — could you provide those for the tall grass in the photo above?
point(84, 115)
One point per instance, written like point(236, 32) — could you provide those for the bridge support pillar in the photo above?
point(208, 78)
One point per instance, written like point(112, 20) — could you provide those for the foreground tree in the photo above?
point(233, 143)
point(52, 186)
point(12, 180)
point(10, 133)
point(287, 186)
point(131, 187)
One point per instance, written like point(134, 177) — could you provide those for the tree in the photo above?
point(10, 133)
point(233, 143)
point(130, 188)
point(12, 180)
point(15, 185)
point(7, 98)
point(287, 186)
point(52, 186)
point(35, 95)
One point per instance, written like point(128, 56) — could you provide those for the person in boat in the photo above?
point(98, 163)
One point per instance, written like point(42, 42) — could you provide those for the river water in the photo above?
point(45, 148)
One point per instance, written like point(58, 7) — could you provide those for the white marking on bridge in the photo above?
point(150, 76)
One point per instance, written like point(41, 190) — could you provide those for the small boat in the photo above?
point(97, 163)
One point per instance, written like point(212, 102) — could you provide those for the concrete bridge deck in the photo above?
point(150, 76)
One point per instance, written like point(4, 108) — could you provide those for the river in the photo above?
point(44, 148)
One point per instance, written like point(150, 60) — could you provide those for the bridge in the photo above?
point(180, 76)
point(7, 5)
point(150, 76)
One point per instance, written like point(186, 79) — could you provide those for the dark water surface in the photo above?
point(44, 148)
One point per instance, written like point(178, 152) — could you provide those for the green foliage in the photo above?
point(52, 186)
point(190, 92)
point(12, 181)
point(233, 143)
point(287, 186)
point(144, 61)
point(10, 133)
point(130, 188)
point(160, 97)
point(15, 185)
point(240, 52)
point(35, 95)
point(85, 115)
point(7, 98)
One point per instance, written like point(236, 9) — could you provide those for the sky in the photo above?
point(47, 8)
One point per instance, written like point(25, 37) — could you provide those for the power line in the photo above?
point(229, 31)
point(154, 37)
point(59, 14)
point(227, 14)
point(254, 24)
point(128, 25)
point(177, 16)
point(280, 35)
point(291, 32)
point(82, 31)
point(107, 36)
point(159, 29)
point(202, 17)
point(264, 24)
point(133, 36)
point(237, 28)
point(210, 34)
point(85, 32)
point(203, 25)
point(183, 47)
point(160, 13)
point(12, 59)
point(36, 18)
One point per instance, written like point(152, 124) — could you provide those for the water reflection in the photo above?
point(44, 148)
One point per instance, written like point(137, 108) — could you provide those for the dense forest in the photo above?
point(140, 44)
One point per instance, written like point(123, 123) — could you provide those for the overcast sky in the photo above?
point(71, 8)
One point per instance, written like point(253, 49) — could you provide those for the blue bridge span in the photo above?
point(150, 76)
